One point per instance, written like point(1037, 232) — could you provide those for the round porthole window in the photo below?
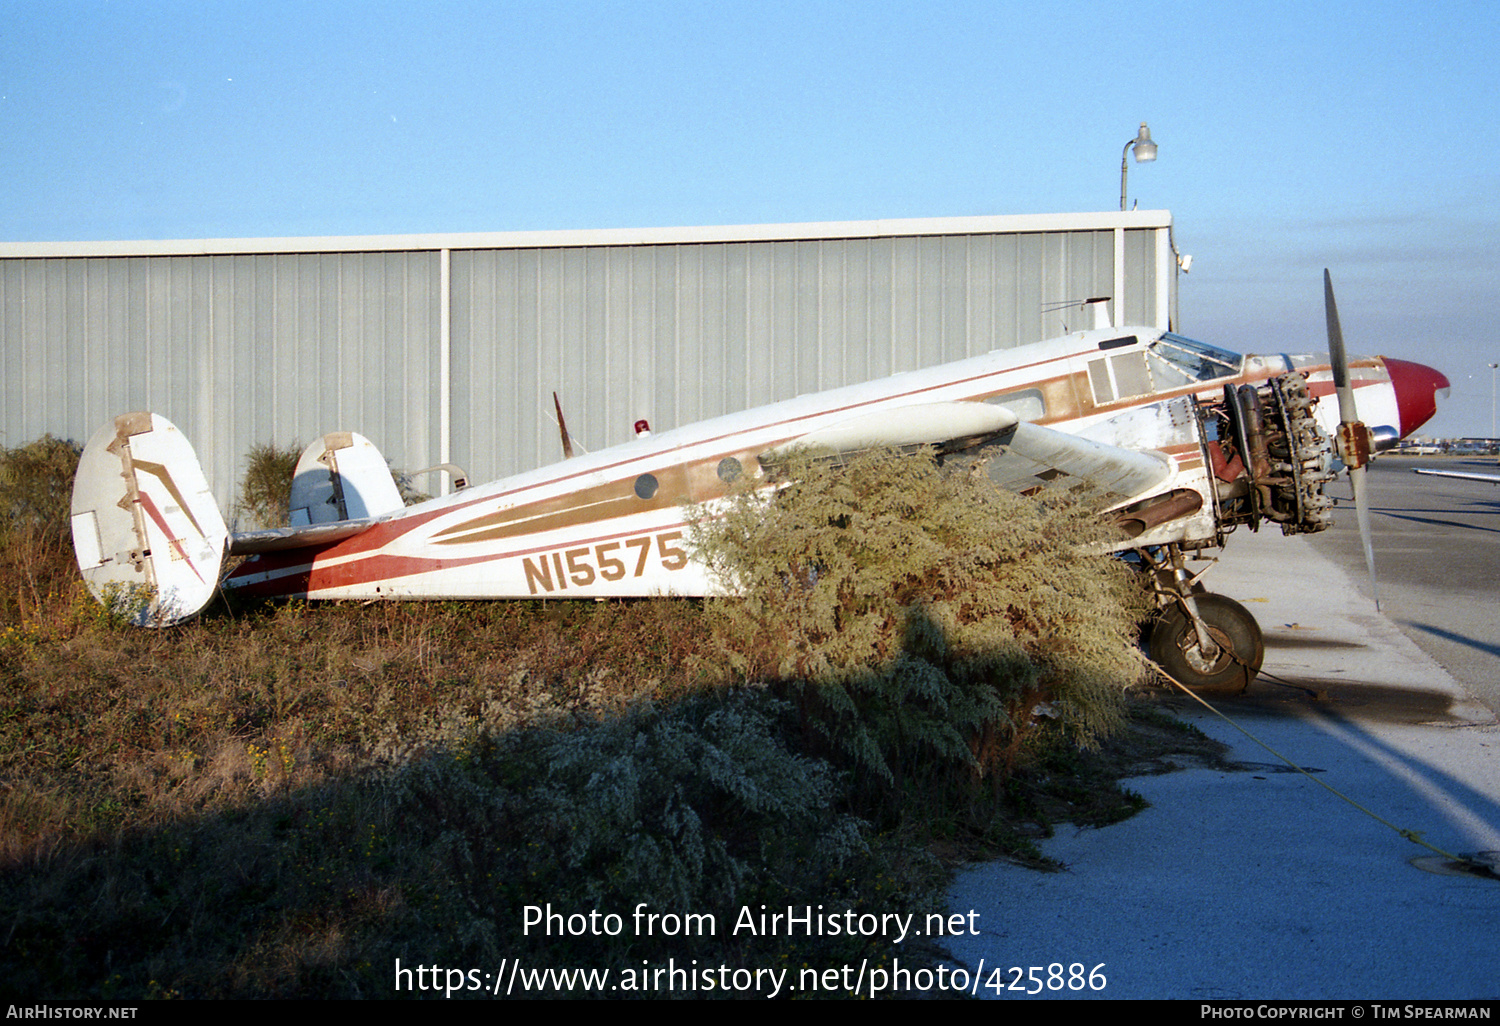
point(730, 470)
point(646, 486)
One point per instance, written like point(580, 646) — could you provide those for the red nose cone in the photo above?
point(1417, 386)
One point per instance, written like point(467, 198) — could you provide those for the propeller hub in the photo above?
point(1354, 444)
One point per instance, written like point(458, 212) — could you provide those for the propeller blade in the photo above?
point(1337, 356)
point(1353, 436)
point(1362, 511)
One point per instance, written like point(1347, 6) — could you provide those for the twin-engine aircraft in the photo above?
point(1461, 475)
point(1174, 441)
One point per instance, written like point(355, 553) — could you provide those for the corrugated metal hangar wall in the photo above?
point(448, 347)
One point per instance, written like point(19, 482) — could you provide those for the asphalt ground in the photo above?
point(1256, 882)
point(1437, 560)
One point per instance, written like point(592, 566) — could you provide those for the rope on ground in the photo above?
point(1414, 836)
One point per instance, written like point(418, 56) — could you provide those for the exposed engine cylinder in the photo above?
point(1286, 456)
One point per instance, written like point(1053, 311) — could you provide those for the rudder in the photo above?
point(342, 476)
point(147, 532)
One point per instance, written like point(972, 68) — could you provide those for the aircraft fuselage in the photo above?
point(614, 523)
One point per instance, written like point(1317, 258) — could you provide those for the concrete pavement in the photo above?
point(1258, 883)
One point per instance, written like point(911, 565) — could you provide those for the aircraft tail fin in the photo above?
point(148, 535)
point(342, 476)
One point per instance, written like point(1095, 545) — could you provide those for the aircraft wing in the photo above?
point(945, 425)
point(1491, 478)
point(1019, 456)
point(1031, 457)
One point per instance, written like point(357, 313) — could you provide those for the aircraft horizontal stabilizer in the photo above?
point(147, 532)
point(278, 539)
point(341, 487)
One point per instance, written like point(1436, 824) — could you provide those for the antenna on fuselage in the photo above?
point(562, 427)
point(1099, 303)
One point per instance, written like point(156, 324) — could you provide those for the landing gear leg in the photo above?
point(1206, 641)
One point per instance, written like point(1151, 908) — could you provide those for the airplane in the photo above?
point(1175, 441)
point(1462, 475)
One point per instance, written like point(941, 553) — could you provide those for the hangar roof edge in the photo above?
point(574, 238)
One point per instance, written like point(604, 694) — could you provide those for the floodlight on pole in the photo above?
point(1493, 366)
point(1145, 152)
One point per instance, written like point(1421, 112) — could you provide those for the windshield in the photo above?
point(1177, 361)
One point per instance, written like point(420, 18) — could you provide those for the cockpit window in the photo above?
point(1177, 361)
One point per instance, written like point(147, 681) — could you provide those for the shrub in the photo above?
point(917, 614)
point(36, 541)
point(697, 805)
point(36, 485)
point(266, 489)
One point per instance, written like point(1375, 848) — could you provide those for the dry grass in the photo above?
point(240, 704)
point(282, 800)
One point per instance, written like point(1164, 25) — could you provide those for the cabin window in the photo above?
point(645, 486)
point(730, 470)
point(1131, 376)
point(1104, 389)
point(1119, 377)
point(1026, 404)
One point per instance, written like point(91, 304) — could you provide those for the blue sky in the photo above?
point(1294, 136)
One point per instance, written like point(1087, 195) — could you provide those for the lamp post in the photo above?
point(1145, 152)
point(1492, 400)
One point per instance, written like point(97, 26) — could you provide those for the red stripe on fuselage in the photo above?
point(307, 578)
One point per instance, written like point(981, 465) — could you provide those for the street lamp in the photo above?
point(1145, 152)
point(1492, 400)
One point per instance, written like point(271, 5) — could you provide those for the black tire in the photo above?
point(1173, 645)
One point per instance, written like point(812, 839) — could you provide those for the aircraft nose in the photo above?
point(1417, 387)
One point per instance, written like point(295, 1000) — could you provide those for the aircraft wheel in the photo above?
point(1173, 645)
